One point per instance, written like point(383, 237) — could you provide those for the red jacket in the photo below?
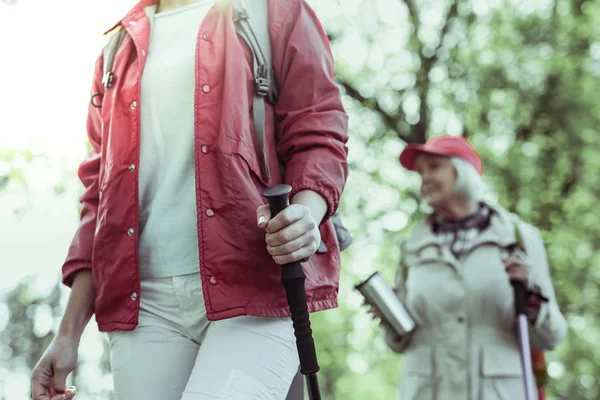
point(238, 275)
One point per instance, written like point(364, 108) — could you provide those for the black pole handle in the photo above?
point(518, 287)
point(292, 278)
point(520, 296)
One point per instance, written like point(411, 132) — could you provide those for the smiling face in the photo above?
point(438, 178)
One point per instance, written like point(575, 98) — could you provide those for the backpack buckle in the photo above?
point(107, 79)
point(262, 82)
point(239, 13)
point(261, 86)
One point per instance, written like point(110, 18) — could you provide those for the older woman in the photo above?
point(455, 277)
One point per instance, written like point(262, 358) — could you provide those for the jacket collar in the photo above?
point(501, 231)
point(138, 11)
point(133, 15)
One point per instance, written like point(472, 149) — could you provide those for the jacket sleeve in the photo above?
point(312, 123)
point(79, 255)
point(550, 327)
point(399, 344)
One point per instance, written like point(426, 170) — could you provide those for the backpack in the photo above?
point(538, 360)
point(251, 20)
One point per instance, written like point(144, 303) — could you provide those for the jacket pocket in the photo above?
point(246, 154)
point(419, 378)
point(501, 377)
point(238, 188)
point(244, 163)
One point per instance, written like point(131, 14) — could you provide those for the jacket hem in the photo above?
point(111, 326)
point(270, 312)
point(279, 312)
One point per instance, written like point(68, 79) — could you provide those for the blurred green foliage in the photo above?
point(520, 80)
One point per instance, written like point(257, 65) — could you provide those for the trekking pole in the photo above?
point(523, 331)
point(292, 278)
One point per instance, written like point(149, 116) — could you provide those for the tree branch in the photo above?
point(391, 121)
point(413, 14)
point(452, 13)
point(427, 64)
point(542, 107)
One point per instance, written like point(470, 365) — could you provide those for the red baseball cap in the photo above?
point(442, 146)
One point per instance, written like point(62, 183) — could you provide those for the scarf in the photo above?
point(458, 235)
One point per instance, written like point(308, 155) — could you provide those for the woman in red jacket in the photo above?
point(171, 254)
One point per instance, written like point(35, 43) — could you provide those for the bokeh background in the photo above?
point(519, 78)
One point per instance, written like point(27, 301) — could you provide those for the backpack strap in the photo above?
point(251, 20)
point(109, 52)
point(108, 61)
point(520, 242)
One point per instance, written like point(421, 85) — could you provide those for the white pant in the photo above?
point(176, 353)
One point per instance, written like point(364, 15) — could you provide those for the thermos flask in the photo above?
point(379, 294)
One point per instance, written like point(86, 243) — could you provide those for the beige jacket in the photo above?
point(465, 346)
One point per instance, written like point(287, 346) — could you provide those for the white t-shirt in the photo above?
point(168, 243)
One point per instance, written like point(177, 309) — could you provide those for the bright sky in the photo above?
point(48, 53)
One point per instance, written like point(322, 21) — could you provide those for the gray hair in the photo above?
point(468, 181)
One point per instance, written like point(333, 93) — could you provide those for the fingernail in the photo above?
point(261, 219)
